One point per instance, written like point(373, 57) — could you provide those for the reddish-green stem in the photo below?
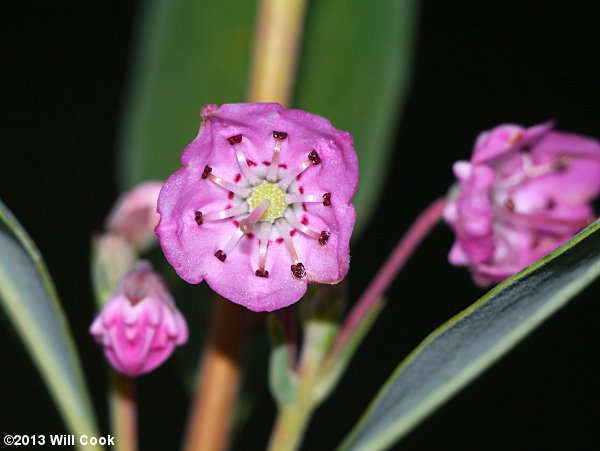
point(387, 273)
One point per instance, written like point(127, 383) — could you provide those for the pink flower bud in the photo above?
point(140, 326)
point(134, 215)
point(262, 206)
point(525, 192)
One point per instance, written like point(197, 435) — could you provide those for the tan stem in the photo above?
point(275, 53)
point(219, 379)
point(123, 412)
point(276, 46)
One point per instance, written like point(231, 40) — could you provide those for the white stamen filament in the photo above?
point(239, 190)
point(274, 168)
point(536, 171)
point(265, 233)
point(289, 215)
point(284, 232)
point(233, 241)
point(526, 162)
point(246, 170)
point(256, 213)
point(228, 213)
point(296, 198)
point(529, 171)
point(285, 182)
point(246, 226)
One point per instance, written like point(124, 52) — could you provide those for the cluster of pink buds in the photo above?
point(524, 192)
point(140, 325)
point(262, 205)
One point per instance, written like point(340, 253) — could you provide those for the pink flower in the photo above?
point(525, 192)
point(134, 215)
point(262, 206)
point(140, 326)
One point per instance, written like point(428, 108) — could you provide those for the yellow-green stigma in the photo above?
point(272, 193)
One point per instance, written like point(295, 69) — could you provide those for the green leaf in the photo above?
point(29, 298)
point(282, 380)
point(460, 350)
point(188, 53)
point(354, 70)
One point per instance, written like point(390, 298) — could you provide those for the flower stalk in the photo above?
point(276, 47)
point(298, 391)
point(123, 412)
point(219, 379)
point(324, 357)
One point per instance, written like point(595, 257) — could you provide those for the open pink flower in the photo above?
point(140, 326)
point(262, 205)
point(524, 193)
point(134, 216)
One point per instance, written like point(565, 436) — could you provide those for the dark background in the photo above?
point(478, 63)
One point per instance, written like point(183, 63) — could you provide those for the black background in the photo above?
point(478, 63)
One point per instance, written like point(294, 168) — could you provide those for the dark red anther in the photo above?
point(509, 204)
point(525, 149)
point(221, 255)
point(279, 135)
point(534, 243)
point(298, 270)
point(198, 217)
point(324, 238)
point(207, 170)
point(262, 273)
point(550, 204)
point(562, 163)
point(314, 157)
point(327, 199)
point(235, 139)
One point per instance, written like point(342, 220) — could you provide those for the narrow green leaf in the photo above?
point(460, 350)
point(354, 70)
point(29, 298)
point(188, 53)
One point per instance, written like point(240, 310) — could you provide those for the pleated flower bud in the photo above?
point(139, 326)
point(262, 206)
point(134, 215)
point(525, 192)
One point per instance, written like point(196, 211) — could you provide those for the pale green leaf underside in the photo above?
point(354, 69)
point(458, 351)
point(31, 304)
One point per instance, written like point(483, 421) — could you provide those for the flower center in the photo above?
point(267, 202)
point(272, 193)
